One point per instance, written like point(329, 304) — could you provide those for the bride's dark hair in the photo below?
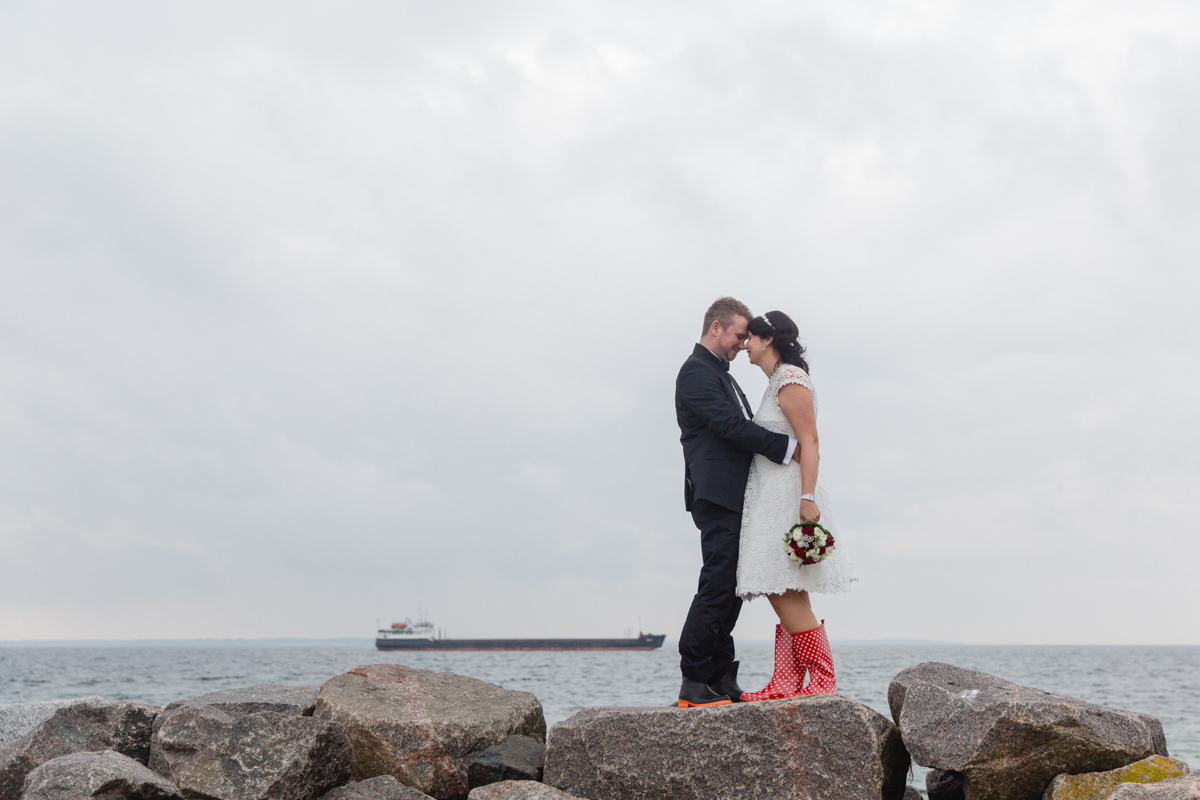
point(779, 328)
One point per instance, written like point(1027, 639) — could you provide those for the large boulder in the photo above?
point(805, 748)
point(517, 758)
point(1009, 741)
point(424, 728)
point(1099, 785)
point(107, 775)
point(1185, 788)
point(77, 728)
point(18, 719)
point(213, 755)
point(385, 787)
point(298, 700)
point(519, 790)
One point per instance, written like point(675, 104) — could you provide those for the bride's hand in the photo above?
point(809, 511)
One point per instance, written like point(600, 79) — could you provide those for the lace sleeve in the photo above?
point(789, 373)
point(792, 374)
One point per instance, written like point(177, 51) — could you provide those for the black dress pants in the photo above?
point(706, 644)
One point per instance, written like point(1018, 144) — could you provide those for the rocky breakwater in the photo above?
point(424, 728)
point(82, 727)
point(823, 747)
point(382, 732)
point(388, 732)
point(989, 739)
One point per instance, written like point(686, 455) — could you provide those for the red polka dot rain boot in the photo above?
point(788, 674)
point(813, 653)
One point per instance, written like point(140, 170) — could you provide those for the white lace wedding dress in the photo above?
point(773, 506)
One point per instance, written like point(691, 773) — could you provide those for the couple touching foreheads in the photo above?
point(748, 480)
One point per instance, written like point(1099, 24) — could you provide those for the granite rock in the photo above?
point(806, 748)
point(298, 700)
point(517, 758)
point(18, 719)
point(1185, 788)
point(1099, 785)
point(384, 787)
point(912, 793)
point(77, 728)
point(941, 784)
point(1010, 741)
point(519, 790)
point(106, 774)
point(214, 755)
point(424, 728)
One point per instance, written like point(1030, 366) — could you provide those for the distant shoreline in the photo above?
point(369, 643)
point(281, 642)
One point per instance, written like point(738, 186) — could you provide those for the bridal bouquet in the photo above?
point(808, 543)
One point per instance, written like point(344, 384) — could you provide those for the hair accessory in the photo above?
point(769, 325)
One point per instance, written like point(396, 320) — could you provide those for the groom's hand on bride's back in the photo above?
point(796, 453)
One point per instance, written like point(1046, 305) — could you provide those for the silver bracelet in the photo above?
point(812, 497)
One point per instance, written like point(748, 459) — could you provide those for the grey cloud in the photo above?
point(309, 314)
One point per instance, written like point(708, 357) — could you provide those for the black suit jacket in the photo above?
point(718, 441)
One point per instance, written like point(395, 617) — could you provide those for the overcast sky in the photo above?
point(311, 314)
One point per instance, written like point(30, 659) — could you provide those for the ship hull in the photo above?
point(641, 643)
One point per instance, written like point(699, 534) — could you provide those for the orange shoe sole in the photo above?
point(686, 704)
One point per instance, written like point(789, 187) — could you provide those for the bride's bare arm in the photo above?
point(796, 403)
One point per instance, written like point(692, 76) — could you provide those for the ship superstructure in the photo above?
point(408, 632)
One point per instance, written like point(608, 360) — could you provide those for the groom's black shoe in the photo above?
point(693, 694)
point(727, 684)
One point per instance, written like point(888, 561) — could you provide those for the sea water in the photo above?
point(1163, 681)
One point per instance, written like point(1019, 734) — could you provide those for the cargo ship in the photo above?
point(409, 635)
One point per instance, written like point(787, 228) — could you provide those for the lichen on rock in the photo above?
point(1099, 785)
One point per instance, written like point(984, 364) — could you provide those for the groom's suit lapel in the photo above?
point(741, 394)
point(721, 367)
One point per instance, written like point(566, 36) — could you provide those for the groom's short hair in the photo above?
point(723, 310)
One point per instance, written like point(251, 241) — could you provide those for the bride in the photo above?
point(778, 496)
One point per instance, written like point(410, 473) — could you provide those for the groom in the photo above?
point(719, 441)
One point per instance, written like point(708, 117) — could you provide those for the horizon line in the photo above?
point(364, 641)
